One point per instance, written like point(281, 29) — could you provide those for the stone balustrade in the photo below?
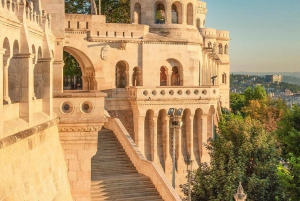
point(142, 165)
point(179, 92)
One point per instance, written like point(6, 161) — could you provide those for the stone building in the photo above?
point(134, 72)
point(274, 78)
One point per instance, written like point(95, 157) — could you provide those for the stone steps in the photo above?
point(114, 177)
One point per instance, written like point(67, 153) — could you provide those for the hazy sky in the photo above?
point(265, 34)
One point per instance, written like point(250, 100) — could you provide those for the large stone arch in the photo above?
point(86, 65)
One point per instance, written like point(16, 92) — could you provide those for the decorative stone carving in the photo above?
point(137, 77)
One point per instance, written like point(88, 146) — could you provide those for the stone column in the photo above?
point(140, 134)
point(58, 66)
point(2, 52)
point(184, 14)
point(180, 158)
point(205, 156)
point(168, 159)
point(191, 138)
point(154, 143)
point(168, 13)
point(79, 147)
point(5, 93)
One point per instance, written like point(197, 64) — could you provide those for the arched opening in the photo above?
point(161, 137)
point(220, 48)
point(203, 22)
point(185, 134)
point(198, 23)
point(210, 123)
point(226, 49)
point(209, 45)
point(190, 14)
point(148, 134)
point(175, 77)
point(160, 14)
point(15, 76)
point(38, 75)
point(86, 68)
point(177, 13)
point(163, 76)
point(137, 77)
point(72, 73)
point(121, 74)
point(198, 142)
point(6, 57)
point(137, 13)
point(224, 78)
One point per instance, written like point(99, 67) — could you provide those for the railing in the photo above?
point(180, 92)
point(143, 166)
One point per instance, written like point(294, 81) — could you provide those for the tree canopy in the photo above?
point(242, 152)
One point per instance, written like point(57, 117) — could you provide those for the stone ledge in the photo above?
point(5, 142)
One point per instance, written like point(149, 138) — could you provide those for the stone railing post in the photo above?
point(2, 52)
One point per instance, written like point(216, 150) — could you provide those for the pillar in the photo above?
point(168, 12)
point(191, 138)
point(2, 52)
point(79, 148)
point(180, 158)
point(58, 66)
point(154, 142)
point(5, 93)
point(168, 159)
point(205, 155)
point(140, 134)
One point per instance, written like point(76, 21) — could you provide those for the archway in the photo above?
point(190, 14)
point(163, 76)
point(72, 73)
point(161, 137)
point(121, 74)
point(177, 13)
point(160, 11)
point(148, 134)
point(86, 67)
point(176, 77)
point(137, 13)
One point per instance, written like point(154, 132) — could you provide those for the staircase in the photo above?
point(114, 177)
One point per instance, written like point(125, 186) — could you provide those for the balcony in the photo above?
point(171, 93)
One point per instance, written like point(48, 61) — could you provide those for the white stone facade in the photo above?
point(165, 59)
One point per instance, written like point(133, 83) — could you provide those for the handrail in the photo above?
point(142, 165)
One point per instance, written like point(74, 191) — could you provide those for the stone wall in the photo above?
point(126, 117)
point(34, 169)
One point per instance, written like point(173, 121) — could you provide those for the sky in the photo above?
point(265, 34)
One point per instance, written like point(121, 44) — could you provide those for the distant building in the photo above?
point(274, 78)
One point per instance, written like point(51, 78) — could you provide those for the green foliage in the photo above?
point(116, 11)
point(288, 134)
point(77, 6)
point(237, 102)
point(256, 93)
point(71, 67)
point(243, 151)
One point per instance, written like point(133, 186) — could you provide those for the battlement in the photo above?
point(209, 33)
point(223, 35)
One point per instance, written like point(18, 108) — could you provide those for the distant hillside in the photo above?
point(293, 74)
point(288, 77)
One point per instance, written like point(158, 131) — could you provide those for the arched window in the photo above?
point(177, 13)
point(209, 45)
point(121, 75)
point(175, 77)
point(137, 13)
point(160, 14)
point(224, 78)
point(190, 14)
point(220, 48)
point(226, 49)
point(198, 23)
point(163, 76)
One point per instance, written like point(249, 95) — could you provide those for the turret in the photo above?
point(169, 13)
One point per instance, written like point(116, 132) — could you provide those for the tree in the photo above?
point(71, 67)
point(237, 102)
point(242, 152)
point(116, 11)
point(288, 134)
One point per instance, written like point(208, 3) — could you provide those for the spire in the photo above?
point(240, 195)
